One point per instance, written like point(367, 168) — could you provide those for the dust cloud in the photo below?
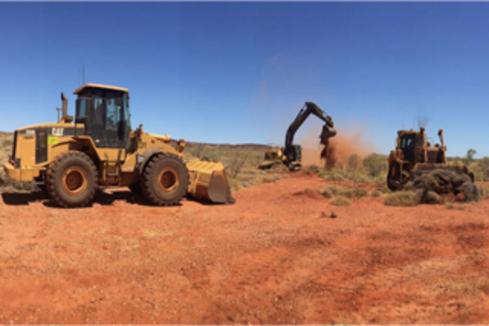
point(342, 147)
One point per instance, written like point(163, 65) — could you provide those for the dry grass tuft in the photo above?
point(326, 193)
point(458, 207)
point(352, 193)
point(341, 201)
point(402, 198)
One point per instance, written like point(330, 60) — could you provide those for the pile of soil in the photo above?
point(430, 185)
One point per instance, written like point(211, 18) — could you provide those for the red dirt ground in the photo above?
point(271, 258)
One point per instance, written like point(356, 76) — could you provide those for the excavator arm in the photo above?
point(291, 151)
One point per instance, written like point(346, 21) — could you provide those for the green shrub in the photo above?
point(341, 201)
point(375, 165)
point(402, 198)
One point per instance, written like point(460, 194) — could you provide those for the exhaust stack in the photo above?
point(64, 110)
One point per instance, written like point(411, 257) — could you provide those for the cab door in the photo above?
point(106, 122)
point(408, 145)
point(95, 122)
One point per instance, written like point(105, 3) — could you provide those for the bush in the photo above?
point(483, 192)
point(210, 157)
point(341, 201)
point(326, 193)
point(402, 198)
point(237, 163)
point(375, 165)
point(481, 169)
point(376, 193)
point(347, 192)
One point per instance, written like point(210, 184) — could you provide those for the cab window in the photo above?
point(408, 142)
point(113, 115)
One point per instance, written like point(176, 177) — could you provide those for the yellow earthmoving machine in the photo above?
point(291, 154)
point(415, 156)
point(97, 149)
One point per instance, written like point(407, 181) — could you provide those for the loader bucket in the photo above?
point(208, 182)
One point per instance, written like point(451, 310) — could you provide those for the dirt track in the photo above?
point(269, 258)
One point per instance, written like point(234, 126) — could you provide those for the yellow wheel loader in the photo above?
point(97, 148)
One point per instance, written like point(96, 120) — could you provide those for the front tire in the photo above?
point(394, 178)
point(165, 180)
point(71, 180)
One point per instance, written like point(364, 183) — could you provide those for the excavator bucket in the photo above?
point(208, 182)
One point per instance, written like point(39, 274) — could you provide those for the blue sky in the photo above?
point(239, 72)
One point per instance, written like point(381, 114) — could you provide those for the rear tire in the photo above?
point(165, 180)
point(71, 180)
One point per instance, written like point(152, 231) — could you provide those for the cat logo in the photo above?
point(57, 132)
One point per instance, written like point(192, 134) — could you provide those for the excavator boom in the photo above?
point(290, 155)
point(291, 151)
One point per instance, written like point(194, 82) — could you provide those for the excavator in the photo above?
point(291, 154)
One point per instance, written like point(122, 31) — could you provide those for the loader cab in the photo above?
point(104, 111)
point(408, 142)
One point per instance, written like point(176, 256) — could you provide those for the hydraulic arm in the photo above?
point(293, 152)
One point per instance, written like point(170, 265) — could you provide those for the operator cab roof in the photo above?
point(90, 87)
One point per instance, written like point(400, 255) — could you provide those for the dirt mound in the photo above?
point(451, 181)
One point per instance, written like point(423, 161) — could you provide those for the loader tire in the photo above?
point(165, 180)
point(71, 180)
